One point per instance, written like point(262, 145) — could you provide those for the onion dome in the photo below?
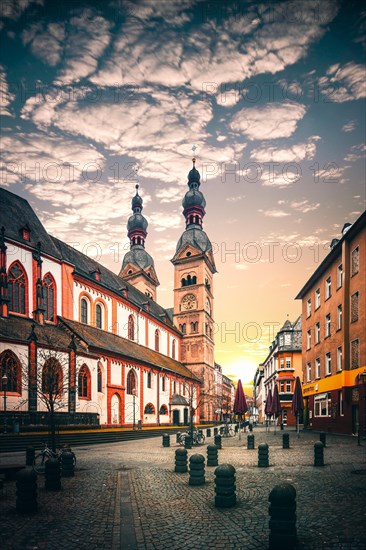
point(138, 257)
point(137, 221)
point(194, 202)
point(137, 224)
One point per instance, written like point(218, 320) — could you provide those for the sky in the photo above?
point(97, 96)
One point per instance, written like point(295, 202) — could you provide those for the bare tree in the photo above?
point(198, 396)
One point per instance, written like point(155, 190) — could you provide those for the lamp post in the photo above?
point(134, 393)
point(4, 381)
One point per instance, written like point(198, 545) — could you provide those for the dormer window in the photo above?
point(96, 275)
point(124, 292)
point(25, 232)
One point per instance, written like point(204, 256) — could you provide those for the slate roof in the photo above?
point(197, 238)
point(178, 400)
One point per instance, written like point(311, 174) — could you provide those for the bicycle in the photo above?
point(227, 431)
point(198, 438)
point(46, 453)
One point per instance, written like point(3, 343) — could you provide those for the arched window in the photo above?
point(10, 365)
point(184, 282)
point(49, 295)
point(189, 280)
point(131, 328)
point(148, 382)
point(183, 328)
point(173, 349)
point(194, 280)
point(17, 288)
point(157, 340)
point(52, 378)
point(163, 409)
point(99, 316)
point(149, 409)
point(84, 382)
point(131, 382)
point(84, 306)
point(100, 378)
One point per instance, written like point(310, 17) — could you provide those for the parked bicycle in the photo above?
point(198, 438)
point(46, 453)
point(227, 430)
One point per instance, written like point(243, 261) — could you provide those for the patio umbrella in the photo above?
point(267, 408)
point(240, 403)
point(297, 403)
point(276, 405)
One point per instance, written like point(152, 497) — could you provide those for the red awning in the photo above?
point(285, 377)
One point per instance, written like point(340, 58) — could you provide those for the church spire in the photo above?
point(194, 202)
point(137, 224)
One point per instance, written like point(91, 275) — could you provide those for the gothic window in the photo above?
point(10, 366)
point(84, 307)
point(17, 288)
point(49, 295)
point(148, 382)
point(99, 315)
point(52, 377)
point(157, 340)
point(84, 382)
point(163, 409)
point(131, 327)
point(100, 378)
point(183, 328)
point(173, 349)
point(149, 409)
point(131, 382)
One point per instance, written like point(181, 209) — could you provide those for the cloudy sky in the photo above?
point(98, 95)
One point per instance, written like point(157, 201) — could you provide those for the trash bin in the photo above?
point(139, 425)
point(15, 427)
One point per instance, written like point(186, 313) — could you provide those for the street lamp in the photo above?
point(4, 381)
point(134, 393)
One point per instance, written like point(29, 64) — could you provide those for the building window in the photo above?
point(183, 328)
point(148, 381)
point(173, 349)
point(317, 333)
point(339, 317)
point(131, 328)
point(282, 387)
point(317, 298)
point(327, 325)
point(17, 288)
point(163, 383)
point(163, 410)
point(84, 310)
point(282, 363)
point(149, 409)
point(288, 362)
point(354, 307)
point(194, 327)
point(355, 354)
point(100, 379)
point(308, 308)
point(49, 295)
point(308, 371)
point(288, 386)
point(317, 367)
point(328, 288)
point(328, 363)
point(339, 276)
point(308, 339)
point(322, 405)
point(157, 340)
point(355, 261)
point(10, 365)
point(340, 404)
point(52, 378)
point(339, 358)
point(84, 382)
point(98, 316)
point(174, 387)
point(131, 382)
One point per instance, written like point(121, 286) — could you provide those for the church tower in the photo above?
point(194, 267)
point(138, 266)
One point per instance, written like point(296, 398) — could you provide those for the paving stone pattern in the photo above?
point(91, 511)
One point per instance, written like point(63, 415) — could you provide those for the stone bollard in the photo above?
point(52, 474)
point(67, 464)
point(196, 470)
point(177, 439)
point(225, 486)
point(26, 500)
point(216, 431)
point(166, 440)
point(263, 455)
point(217, 440)
point(188, 442)
point(285, 441)
point(318, 454)
point(323, 437)
point(208, 432)
point(30, 454)
point(250, 442)
point(282, 511)
point(212, 455)
point(181, 461)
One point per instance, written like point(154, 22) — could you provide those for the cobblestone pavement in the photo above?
point(158, 510)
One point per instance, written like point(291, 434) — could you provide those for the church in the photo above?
point(117, 358)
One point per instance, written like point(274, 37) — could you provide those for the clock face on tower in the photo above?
point(189, 301)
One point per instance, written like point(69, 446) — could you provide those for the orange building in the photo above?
point(334, 335)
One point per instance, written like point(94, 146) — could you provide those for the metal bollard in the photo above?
point(263, 455)
point(282, 511)
point(188, 442)
point(67, 464)
point(208, 432)
point(225, 486)
point(26, 500)
point(196, 470)
point(318, 454)
point(212, 455)
point(250, 442)
point(30, 454)
point(52, 474)
point(166, 440)
point(177, 439)
point(323, 437)
point(217, 440)
point(181, 461)
point(285, 441)
point(216, 431)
